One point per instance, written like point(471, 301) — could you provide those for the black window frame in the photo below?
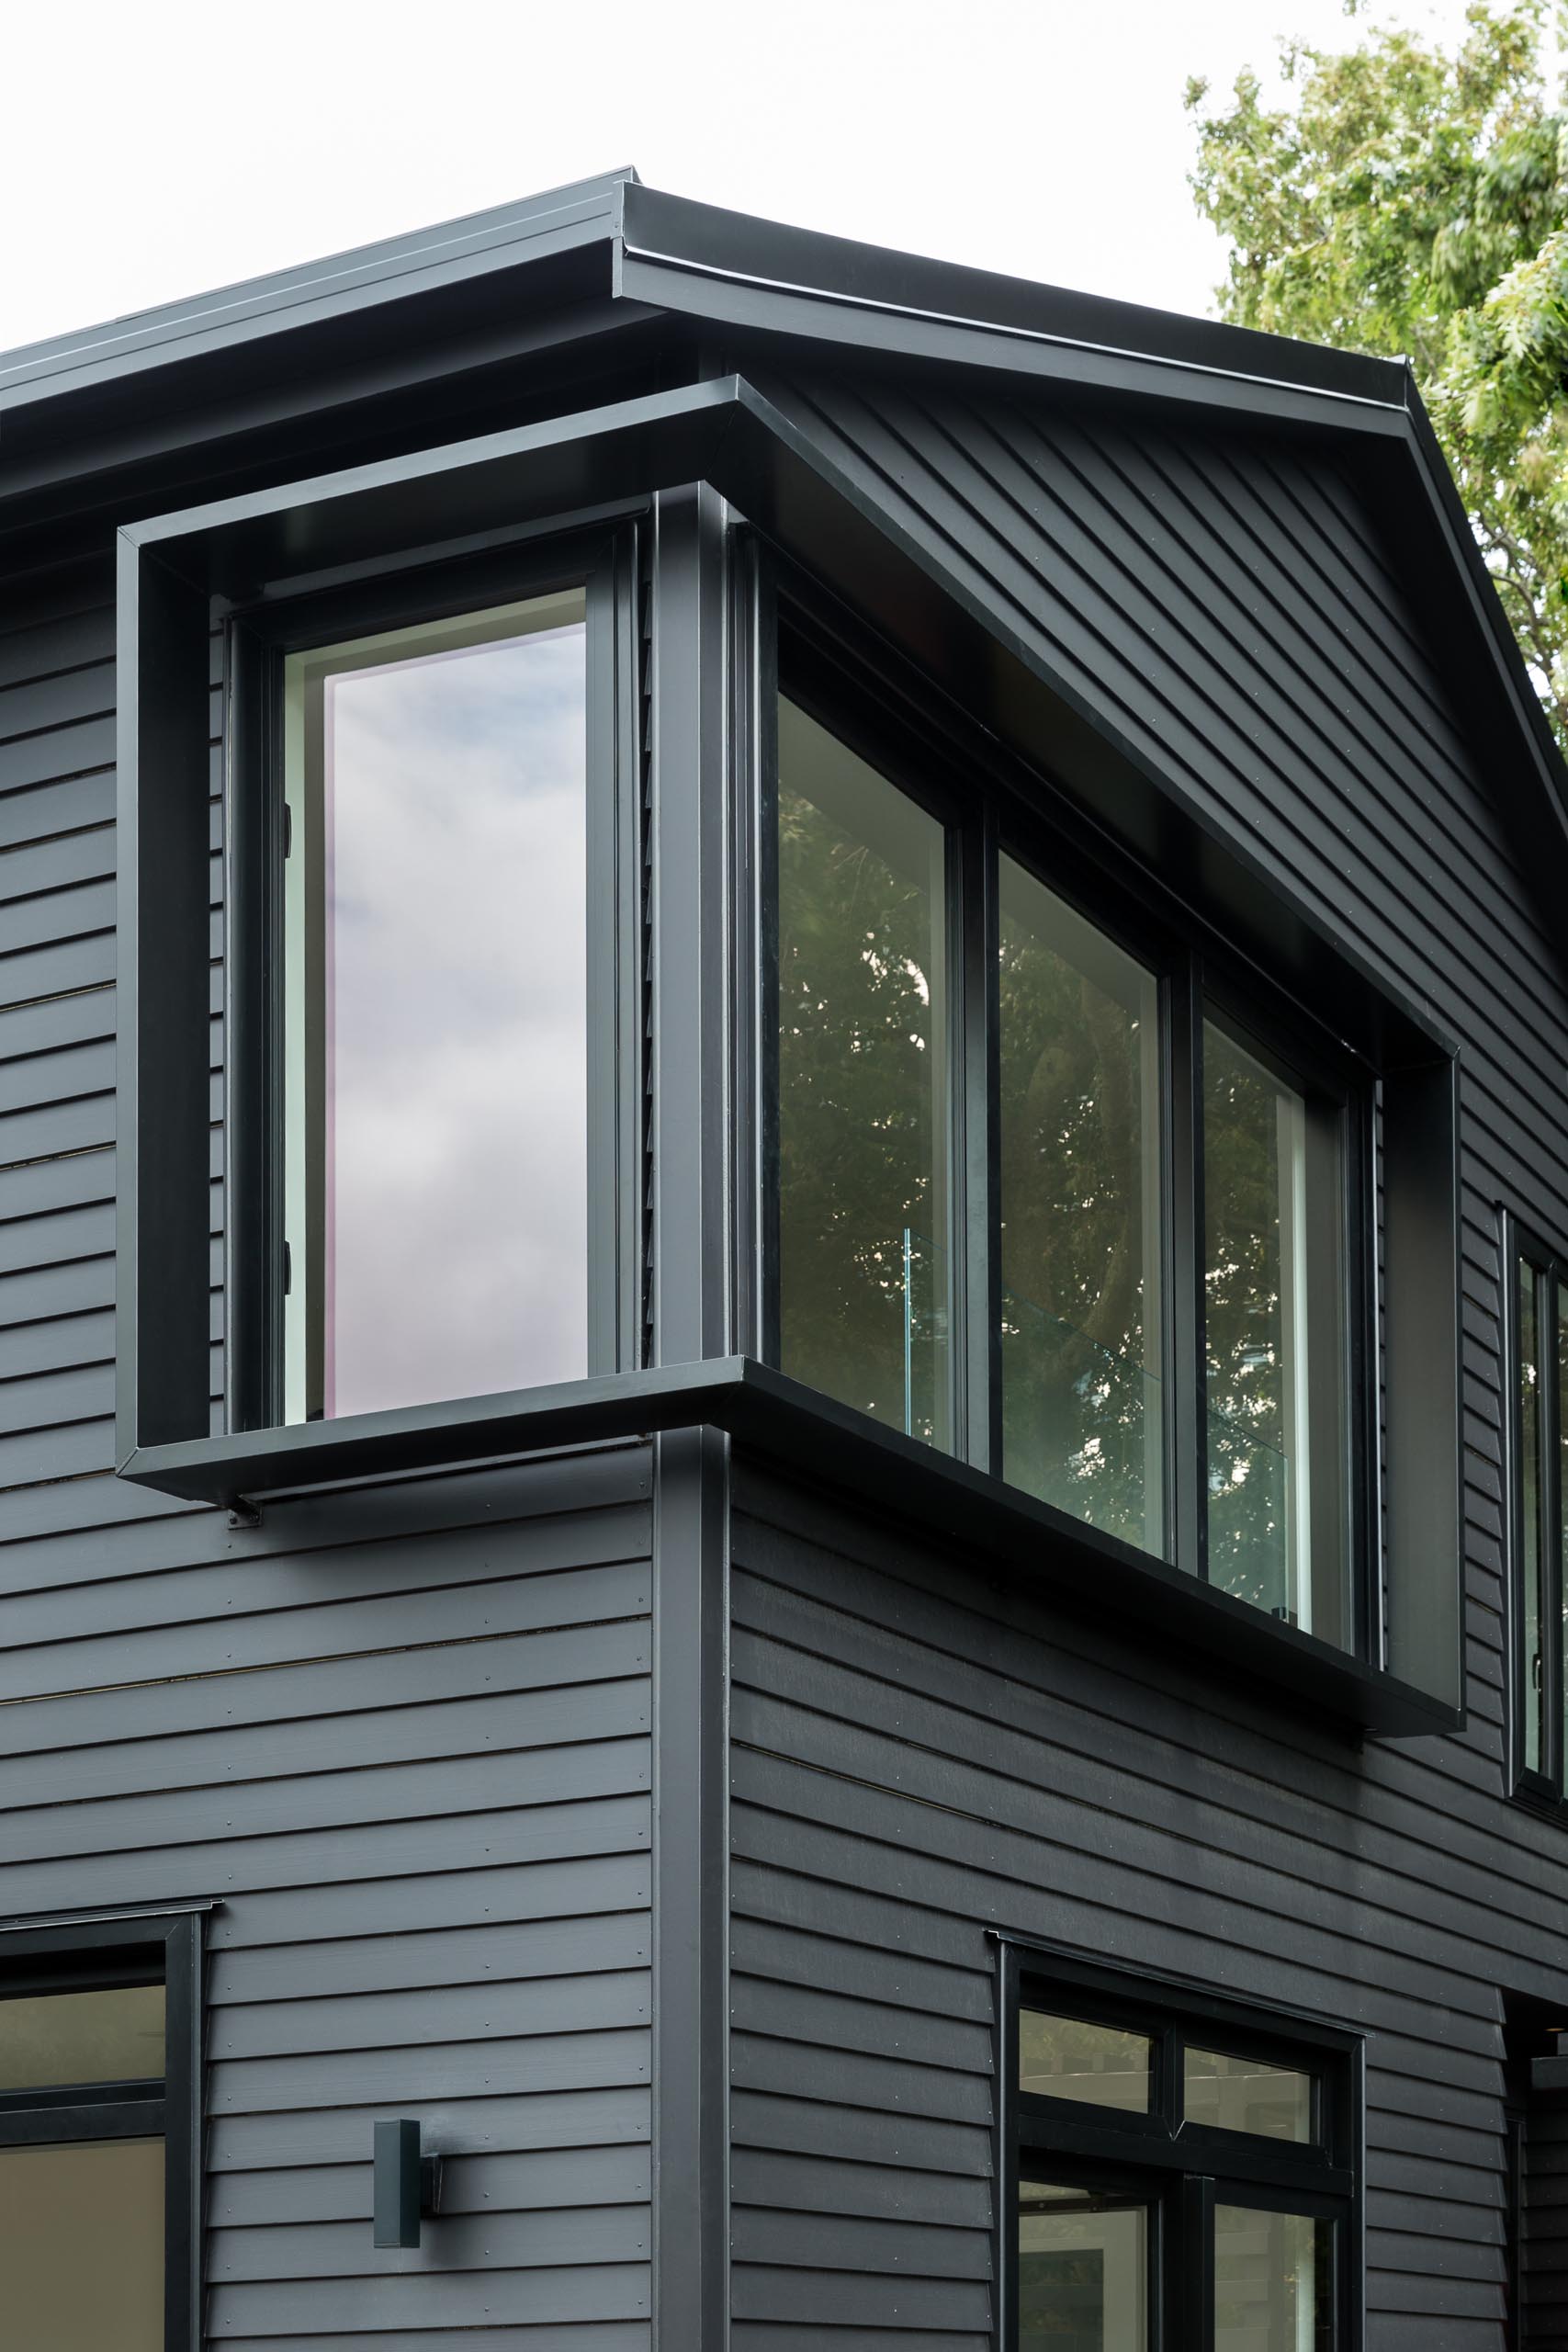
point(1185, 2169)
point(168, 1949)
point(257, 639)
point(1522, 1245)
point(841, 676)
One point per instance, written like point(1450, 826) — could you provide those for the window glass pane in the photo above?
point(437, 1020)
point(1274, 1277)
point(1530, 1404)
point(113, 2035)
point(1080, 1216)
point(1273, 2282)
point(863, 1085)
point(1243, 2095)
point(81, 2246)
point(1083, 2269)
point(1064, 2058)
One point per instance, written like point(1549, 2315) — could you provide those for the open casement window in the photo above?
point(1180, 2169)
point(428, 1186)
point(1050, 1188)
point(98, 2129)
point(1537, 1324)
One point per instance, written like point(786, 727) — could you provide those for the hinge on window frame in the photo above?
point(288, 829)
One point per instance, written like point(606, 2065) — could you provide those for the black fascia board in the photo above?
point(264, 542)
point(729, 268)
point(876, 1467)
point(337, 286)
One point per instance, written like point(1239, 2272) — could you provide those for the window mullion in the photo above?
point(1188, 2290)
point(1185, 1378)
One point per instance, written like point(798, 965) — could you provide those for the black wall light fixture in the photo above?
point(407, 2184)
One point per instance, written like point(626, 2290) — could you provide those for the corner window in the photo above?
point(1053, 1204)
point(1538, 1423)
point(1180, 2168)
point(97, 2138)
point(435, 1010)
point(428, 1141)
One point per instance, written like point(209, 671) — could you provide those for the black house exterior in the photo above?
point(784, 1324)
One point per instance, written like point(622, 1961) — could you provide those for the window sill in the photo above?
point(830, 1442)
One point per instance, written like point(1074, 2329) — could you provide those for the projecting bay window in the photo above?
point(606, 995)
point(1079, 1205)
point(1180, 2168)
point(1537, 1324)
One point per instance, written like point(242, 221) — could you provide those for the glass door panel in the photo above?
point(1083, 2270)
point(1273, 2282)
point(81, 2246)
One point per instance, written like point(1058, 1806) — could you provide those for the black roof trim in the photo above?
point(676, 233)
point(749, 276)
point(582, 213)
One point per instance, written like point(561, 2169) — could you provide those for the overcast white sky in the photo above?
point(159, 149)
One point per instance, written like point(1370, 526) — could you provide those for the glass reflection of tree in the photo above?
point(1081, 1407)
point(858, 1073)
point(1249, 1437)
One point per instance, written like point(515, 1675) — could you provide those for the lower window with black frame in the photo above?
point(1180, 2168)
point(99, 2222)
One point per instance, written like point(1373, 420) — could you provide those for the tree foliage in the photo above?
point(1409, 202)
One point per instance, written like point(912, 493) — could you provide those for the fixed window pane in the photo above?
point(81, 2246)
point(1080, 1216)
point(436, 1033)
point(1066, 2058)
point(1275, 1323)
point(1243, 2095)
point(1273, 2282)
point(1083, 2270)
point(864, 1125)
point(112, 2034)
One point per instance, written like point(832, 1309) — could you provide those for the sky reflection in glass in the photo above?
point(449, 1151)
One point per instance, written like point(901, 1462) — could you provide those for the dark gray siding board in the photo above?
point(426, 1807)
point(916, 1757)
point(597, 2337)
point(403, 1736)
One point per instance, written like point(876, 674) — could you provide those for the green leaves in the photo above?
point(1414, 203)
